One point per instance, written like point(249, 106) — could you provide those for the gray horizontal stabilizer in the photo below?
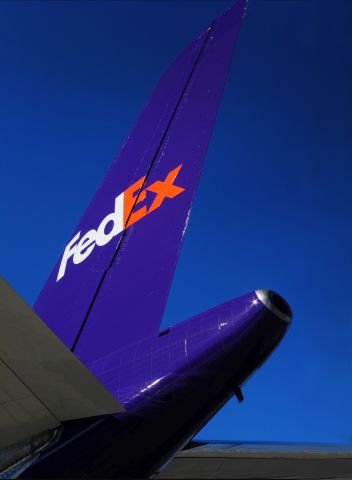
point(41, 382)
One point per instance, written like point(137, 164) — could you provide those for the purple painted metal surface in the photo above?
point(118, 293)
point(64, 304)
point(138, 282)
point(144, 366)
point(224, 346)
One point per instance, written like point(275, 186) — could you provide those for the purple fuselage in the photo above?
point(170, 386)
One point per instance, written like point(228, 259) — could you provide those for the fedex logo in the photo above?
point(124, 215)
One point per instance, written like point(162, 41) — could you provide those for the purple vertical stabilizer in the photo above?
point(110, 285)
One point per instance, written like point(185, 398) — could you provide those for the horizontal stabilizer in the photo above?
point(41, 382)
point(22, 415)
point(261, 460)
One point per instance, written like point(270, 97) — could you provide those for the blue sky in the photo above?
point(273, 208)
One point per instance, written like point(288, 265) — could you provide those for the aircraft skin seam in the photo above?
point(18, 398)
point(28, 388)
point(141, 189)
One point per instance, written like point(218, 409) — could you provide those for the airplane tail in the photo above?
point(110, 285)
